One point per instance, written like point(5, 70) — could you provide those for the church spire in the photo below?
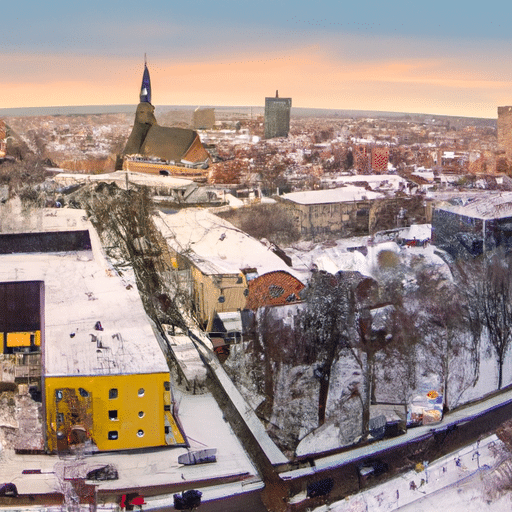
point(145, 89)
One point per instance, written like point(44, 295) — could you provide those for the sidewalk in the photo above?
point(404, 492)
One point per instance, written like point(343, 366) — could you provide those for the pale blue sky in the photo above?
point(452, 54)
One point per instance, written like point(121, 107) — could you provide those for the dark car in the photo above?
point(107, 472)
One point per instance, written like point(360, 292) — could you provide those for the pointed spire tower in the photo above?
point(145, 89)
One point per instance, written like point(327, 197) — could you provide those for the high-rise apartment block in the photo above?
point(380, 159)
point(277, 116)
point(505, 130)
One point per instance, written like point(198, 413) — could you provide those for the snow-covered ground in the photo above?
point(468, 480)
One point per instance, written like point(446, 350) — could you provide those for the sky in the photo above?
point(441, 57)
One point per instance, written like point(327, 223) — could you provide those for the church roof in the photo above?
point(145, 88)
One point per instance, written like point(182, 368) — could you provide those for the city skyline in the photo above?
point(435, 58)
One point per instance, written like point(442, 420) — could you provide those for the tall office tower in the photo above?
point(277, 116)
point(505, 131)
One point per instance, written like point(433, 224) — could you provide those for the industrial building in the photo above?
point(102, 375)
point(277, 116)
point(469, 226)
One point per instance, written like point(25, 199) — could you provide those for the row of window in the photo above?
point(112, 415)
point(113, 435)
point(113, 393)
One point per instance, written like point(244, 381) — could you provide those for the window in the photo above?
point(167, 385)
point(140, 433)
point(141, 414)
point(167, 429)
point(112, 415)
point(83, 392)
point(58, 395)
point(60, 419)
point(141, 392)
point(113, 435)
point(167, 407)
point(112, 393)
point(275, 291)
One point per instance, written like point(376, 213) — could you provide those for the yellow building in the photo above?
point(104, 376)
point(220, 258)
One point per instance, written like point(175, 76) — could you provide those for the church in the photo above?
point(162, 150)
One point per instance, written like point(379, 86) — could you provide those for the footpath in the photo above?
point(437, 481)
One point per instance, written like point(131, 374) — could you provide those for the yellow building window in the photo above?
point(18, 339)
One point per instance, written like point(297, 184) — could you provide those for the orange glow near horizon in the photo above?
point(310, 77)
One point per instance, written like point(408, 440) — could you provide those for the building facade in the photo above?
point(339, 210)
point(203, 118)
point(277, 117)
point(221, 262)
point(471, 226)
point(505, 131)
point(3, 138)
point(102, 375)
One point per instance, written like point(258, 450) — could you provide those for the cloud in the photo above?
point(312, 75)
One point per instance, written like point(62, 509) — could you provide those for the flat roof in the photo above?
point(80, 289)
point(485, 207)
point(346, 194)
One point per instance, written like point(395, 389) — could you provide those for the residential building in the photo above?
point(380, 159)
point(331, 211)
point(221, 262)
point(103, 376)
point(203, 118)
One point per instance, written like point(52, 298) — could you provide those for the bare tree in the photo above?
point(449, 350)
point(123, 220)
point(490, 284)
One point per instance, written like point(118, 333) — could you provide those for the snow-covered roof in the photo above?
point(214, 245)
point(374, 180)
point(336, 195)
point(122, 177)
point(79, 290)
point(488, 206)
